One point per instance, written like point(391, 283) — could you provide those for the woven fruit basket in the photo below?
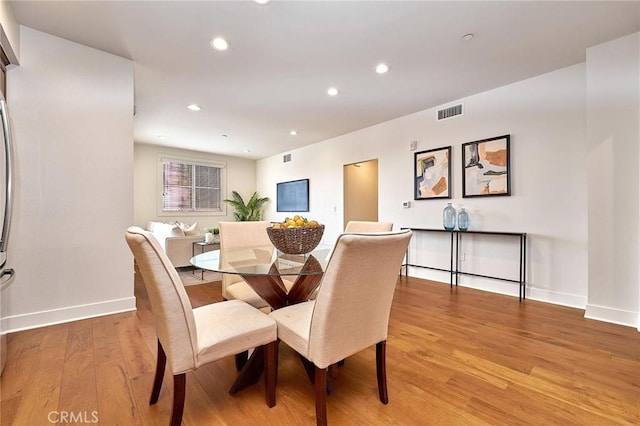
point(300, 240)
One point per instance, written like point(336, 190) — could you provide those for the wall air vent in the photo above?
point(286, 158)
point(450, 112)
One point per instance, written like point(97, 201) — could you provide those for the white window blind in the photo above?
point(191, 187)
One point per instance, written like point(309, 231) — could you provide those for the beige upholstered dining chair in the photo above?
point(363, 226)
point(240, 242)
point(351, 311)
point(190, 338)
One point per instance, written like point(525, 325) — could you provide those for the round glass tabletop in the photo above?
point(264, 261)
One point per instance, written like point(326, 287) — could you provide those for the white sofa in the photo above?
point(178, 244)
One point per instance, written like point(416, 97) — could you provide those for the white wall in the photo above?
point(241, 177)
point(545, 117)
point(72, 115)
point(613, 111)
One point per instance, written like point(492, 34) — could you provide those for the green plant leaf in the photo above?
point(251, 211)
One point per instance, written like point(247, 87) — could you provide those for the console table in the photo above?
point(454, 270)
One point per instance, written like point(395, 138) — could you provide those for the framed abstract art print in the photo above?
point(432, 174)
point(485, 167)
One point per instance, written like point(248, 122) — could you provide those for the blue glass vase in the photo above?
point(463, 220)
point(449, 217)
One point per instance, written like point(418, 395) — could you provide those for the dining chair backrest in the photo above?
point(235, 236)
point(364, 226)
point(175, 323)
point(353, 303)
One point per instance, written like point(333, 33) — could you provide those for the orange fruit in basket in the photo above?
point(313, 224)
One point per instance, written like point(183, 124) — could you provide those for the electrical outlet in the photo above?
point(414, 145)
point(462, 256)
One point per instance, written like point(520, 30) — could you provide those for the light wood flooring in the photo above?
point(454, 357)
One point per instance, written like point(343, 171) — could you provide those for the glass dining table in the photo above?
point(263, 269)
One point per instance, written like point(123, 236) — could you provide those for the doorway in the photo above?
point(360, 191)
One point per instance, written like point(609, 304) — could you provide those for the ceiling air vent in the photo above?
point(286, 158)
point(450, 112)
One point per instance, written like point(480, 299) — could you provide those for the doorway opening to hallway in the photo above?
point(360, 191)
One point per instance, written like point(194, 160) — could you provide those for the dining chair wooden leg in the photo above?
point(270, 372)
point(157, 381)
point(179, 390)
point(330, 372)
point(321, 396)
point(241, 359)
point(277, 355)
point(381, 369)
point(309, 368)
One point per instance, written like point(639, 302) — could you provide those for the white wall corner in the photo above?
point(613, 137)
point(71, 112)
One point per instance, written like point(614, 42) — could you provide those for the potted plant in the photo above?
point(251, 211)
point(212, 235)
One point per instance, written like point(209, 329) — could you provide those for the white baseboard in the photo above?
point(506, 288)
point(564, 299)
point(615, 316)
point(31, 320)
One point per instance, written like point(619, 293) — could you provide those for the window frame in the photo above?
point(162, 158)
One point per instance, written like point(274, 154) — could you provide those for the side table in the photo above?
point(203, 245)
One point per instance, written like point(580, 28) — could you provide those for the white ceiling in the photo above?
point(283, 57)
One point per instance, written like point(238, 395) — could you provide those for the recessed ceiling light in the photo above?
point(293, 133)
point(247, 150)
point(467, 37)
point(332, 91)
point(261, 1)
point(193, 107)
point(161, 137)
point(219, 43)
point(382, 68)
